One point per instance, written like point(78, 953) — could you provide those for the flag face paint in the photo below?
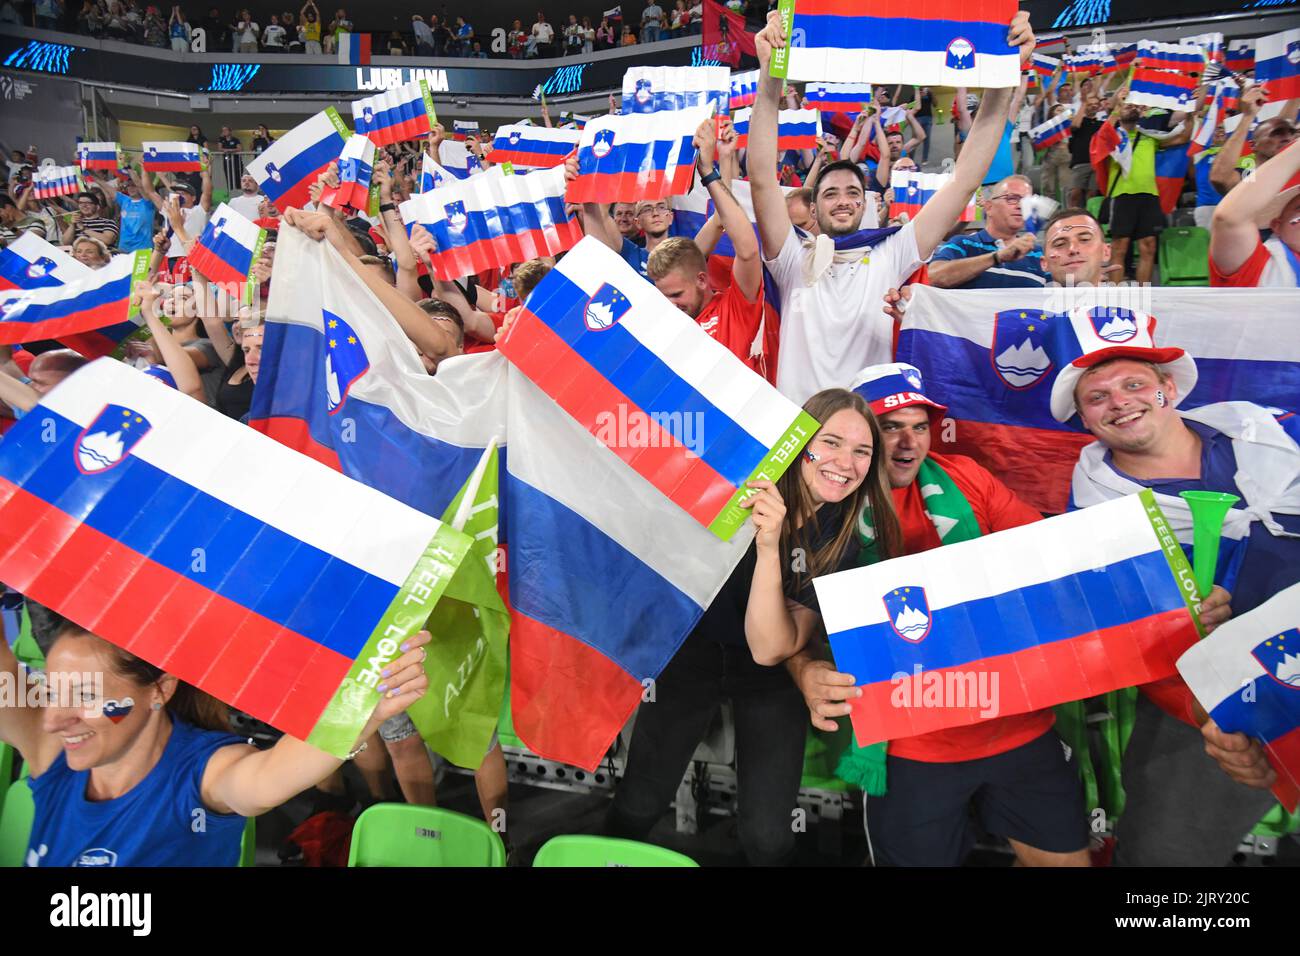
point(252, 597)
point(29, 262)
point(1012, 622)
point(650, 89)
point(533, 147)
point(287, 169)
point(396, 115)
point(226, 251)
point(1277, 64)
point(171, 157)
point(631, 158)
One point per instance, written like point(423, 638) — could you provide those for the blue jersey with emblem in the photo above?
point(153, 824)
point(1025, 272)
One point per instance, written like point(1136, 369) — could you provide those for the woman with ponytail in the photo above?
point(130, 767)
point(805, 526)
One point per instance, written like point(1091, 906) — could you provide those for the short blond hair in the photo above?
point(528, 274)
point(677, 252)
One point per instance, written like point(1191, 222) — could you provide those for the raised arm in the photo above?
point(775, 628)
point(1224, 174)
point(175, 358)
point(205, 198)
point(885, 165)
point(769, 202)
point(747, 271)
point(1234, 235)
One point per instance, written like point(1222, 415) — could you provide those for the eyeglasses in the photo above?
point(660, 209)
point(1011, 199)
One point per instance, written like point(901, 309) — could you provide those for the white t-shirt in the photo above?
point(245, 205)
point(543, 32)
point(273, 35)
point(195, 220)
point(250, 31)
point(833, 329)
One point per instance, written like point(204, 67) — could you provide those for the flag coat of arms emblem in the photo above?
point(109, 438)
point(345, 360)
point(909, 613)
point(1016, 351)
point(605, 308)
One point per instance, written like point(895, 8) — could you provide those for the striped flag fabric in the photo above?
point(1203, 138)
point(1044, 65)
point(1091, 60)
point(1163, 89)
point(1171, 176)
point(99, 155)
point(630, 158)
point(463, 129)
point(1277, 64)
point(1011, 622)
point(91, 308)
point(396, 115)
point(432, 175)
point(1240, 56)
point(52, 181)
point(533, 147)
point(1210, 43)
point(170, 157)
point(296, 600)
point(913, 189)
point(577, 658)
point(226, 251)
point(1246, 677)
point(744, 89)
point(354, 49)
point(29, 262)
point(287, 169)
point(570, 120)
point(652, 89)
point(984, 356)
point(941, 43)
point(838, 97)
point(356, 166)
point(1125, 53)
point(608, 348)
point(1180, 57)
point(457, 159)
point(796, 129)
point(1055, 130)
point(494, 220)
point(1051, 43)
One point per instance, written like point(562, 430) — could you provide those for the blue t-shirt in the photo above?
point(155, 823)
point(1206, 194)
point(137, 223)
point(1025, 272)
point(1002, 165)
point(635, 256)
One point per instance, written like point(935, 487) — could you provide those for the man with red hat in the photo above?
point(1239, 255)
point(1180, 809)
point(1013, 771)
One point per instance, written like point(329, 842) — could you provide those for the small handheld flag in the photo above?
point(1162, 89)
point(404, 113)
point(1277, 64)
point(913, 189)
point(650, 89)
point(29, 262)
point(287, 169)
point(1044, 65)
point(99, 155)
point(226, 252)
point(52, 181)
point(463, 129)
point(356, 167)
point(1055, 130)
point(628, 158)
point(354, 49)
point(533, 147)
point(838, 97)
point(744, 89)
point(1181, 57)
point(796, 129)
point(432, 175)
point(160, 157)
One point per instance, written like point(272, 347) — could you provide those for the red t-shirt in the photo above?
point(733, 320)
point(996, 509)
point(473, 345)
point(1251, 274)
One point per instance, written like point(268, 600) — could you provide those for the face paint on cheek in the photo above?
point(1160, 398)
point(118, 710)
point(812, 456)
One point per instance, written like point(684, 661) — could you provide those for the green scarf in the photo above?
point(954, 520)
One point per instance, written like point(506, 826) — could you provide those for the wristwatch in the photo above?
point(710, 178)
point(388, 207)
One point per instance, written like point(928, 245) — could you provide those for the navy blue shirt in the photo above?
point(1026, 272)
point(635, 256)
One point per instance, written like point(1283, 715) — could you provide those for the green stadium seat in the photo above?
point(1184, 256)
point(6, 770)
point(572, 851)
point(1277, 823)
point(16, 817)
point(398, 834)
point(25, 648)
point(1093, 206)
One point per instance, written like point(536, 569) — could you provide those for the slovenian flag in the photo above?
point(1241, 56)
point(941, 43)
point(1051, 43)
point(533, 147)
point(231, 243)
point(94, 311)
point(52, 181)
point(99, 155)
point(570, 120)
point(1181, 57)
point(159, 157)
point(796, 129)
point(1277, 64)
point(1058, 610)
point(1203, 138)
point(354, 49)
point(457, 159)
point(838, 97)
point(1044, 65)
point(1091, 60)
point(404, 113)
point(494, 220)
point(1210, 43)
point(432, 175)
point(287, 169)
point(984, 356)
point(1162, 89)
point(1247, 677)
point(1171, 175)
point(1055, 130)
point(650, 89)
point(29, 262)
point(1126, 53)
point(913, 189)
point(604, 343)
point(630, 158)
point(744, 89)
point(298, 597)
point(463, 129)
point(356, 166)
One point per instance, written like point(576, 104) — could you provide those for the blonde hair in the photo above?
point(528, 274)
point(676, 252)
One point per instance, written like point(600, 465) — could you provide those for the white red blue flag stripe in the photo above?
point(838, 97)
point(355, 167)
point(1161, 88)
point(796, 129)
point(1277, 64)
point(390, 117)
point(494, 220)
point(1241, 56)
point(168, 157)
point(1044, 65)
point(650, 89)
point(98, 155)
point(913, 189)
point(744, 89)
point(288, 168)
point(629, 158)
point(1183, 57)
point(1052, 42)
point(1245, 675)
point(533, 147)
point(1090, 60)
point(228, 248)
point(1055, 130)
point(941, 43)
point(1211, 43)
point(1125, 53)
point(354, 49)
point(457, 159)
point(1203, 138)
point(603, 342)
point(462, 129)
point(52, 181)
point(29, 262)
point(1054, 611)
point(432, 175)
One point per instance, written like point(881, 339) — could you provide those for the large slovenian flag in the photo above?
point(1180, 57)
point(52, 181)
point(91, 314)
point(838, 97)
point(796, 129)
point(942, 43)
point(1012, 622)
point(304, 582)
point(1171, 175)
point(396, 115)
point(99, 155)
point(913, 189)
point(1055, 130)
point(651, 89)
point(494, 220)
point(1277, 64)
point(288, 168)
point(29, 262)
point(169, 157)
point(533, 147)
point(231, 243)
point(612, 352)
point(1162, 89)
point(1044, 65)
point(1247, 677)
point(1240, 56)
point(605, 578)
point(984, 356)
point(354, 49)
point(744, 89)
point(356, 167)
point(630, 158)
